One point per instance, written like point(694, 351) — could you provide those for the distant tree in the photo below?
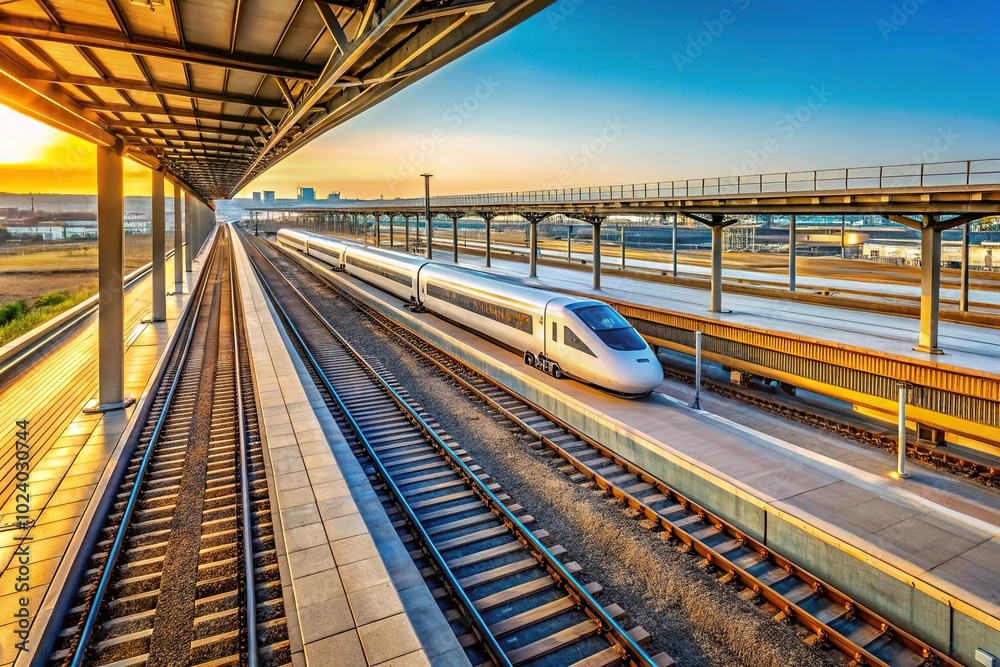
point(4, 234)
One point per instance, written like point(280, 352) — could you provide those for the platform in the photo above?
point(924, 552)
point(353, 595)
point(967, 347)
point(855, 356)
point(72, 453)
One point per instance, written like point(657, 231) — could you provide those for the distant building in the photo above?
point(47, 231)
point(256, 198)
point(307, 194)
point(268, 197)
point(333, 196)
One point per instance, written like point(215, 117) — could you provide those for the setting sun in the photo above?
point(23, 139)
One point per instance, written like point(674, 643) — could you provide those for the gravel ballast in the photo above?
point(691, 615)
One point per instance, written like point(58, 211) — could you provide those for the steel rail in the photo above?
point(79, 655)
point(592, 607)
point(712, 556)
point(250, 602)
point(10, 364)
point(493, 647)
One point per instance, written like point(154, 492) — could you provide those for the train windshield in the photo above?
point(613, 329)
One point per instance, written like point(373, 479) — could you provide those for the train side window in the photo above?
point(574, 341)
point(555, 332)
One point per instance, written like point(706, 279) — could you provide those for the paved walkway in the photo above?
point(352, 593)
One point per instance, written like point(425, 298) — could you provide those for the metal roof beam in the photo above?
point(333, 25)
point(451, 10)
point(51, 13)
point(156, 141)
point(436, 30)
point(179, 127)
point(115, 41)
point(336, 67)
point(144, 87)
point(173, 112)
point(501, 16)
point(50, 105)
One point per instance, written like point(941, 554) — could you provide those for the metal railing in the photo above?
point(967, 173)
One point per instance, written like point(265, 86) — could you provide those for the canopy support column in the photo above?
point(111, 285)
point(716, 292)
point(533, 250)
point(718, 223)
point(964, 298)
point(930, 287)
point(674, 245)
point(791, 253)
point(595, 223)
point(597, 253)
point(533, 218)
point(488, 218)
point(179, 243)
point(188, 238)
point(159, 218)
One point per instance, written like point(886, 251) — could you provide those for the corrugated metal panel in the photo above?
point(970, 407)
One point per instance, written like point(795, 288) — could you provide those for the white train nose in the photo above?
point(641, 377)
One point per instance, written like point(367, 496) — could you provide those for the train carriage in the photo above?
point(393, 272)
point(581, 338)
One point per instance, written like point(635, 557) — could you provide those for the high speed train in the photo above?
point(564, 336)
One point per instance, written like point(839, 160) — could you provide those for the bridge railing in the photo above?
point(934, 174)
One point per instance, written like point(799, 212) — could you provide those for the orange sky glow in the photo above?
point(40, 159)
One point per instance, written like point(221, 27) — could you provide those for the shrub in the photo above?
point(50, 299)
point(12, 310)
point(45, 308)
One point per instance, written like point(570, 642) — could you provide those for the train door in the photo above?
point(553, 336)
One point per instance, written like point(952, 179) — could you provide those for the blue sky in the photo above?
point(597, 92)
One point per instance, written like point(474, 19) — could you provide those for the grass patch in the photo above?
point(17, 318)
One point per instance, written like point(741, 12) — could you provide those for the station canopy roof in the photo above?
point(215, 92)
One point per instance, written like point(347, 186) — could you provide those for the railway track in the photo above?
point(184, 570)
point(506, 590)
point(982, 469)
point(795, 595)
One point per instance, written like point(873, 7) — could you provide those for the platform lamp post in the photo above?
point(427, 214)
point(673, 246)
point(901, 435)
